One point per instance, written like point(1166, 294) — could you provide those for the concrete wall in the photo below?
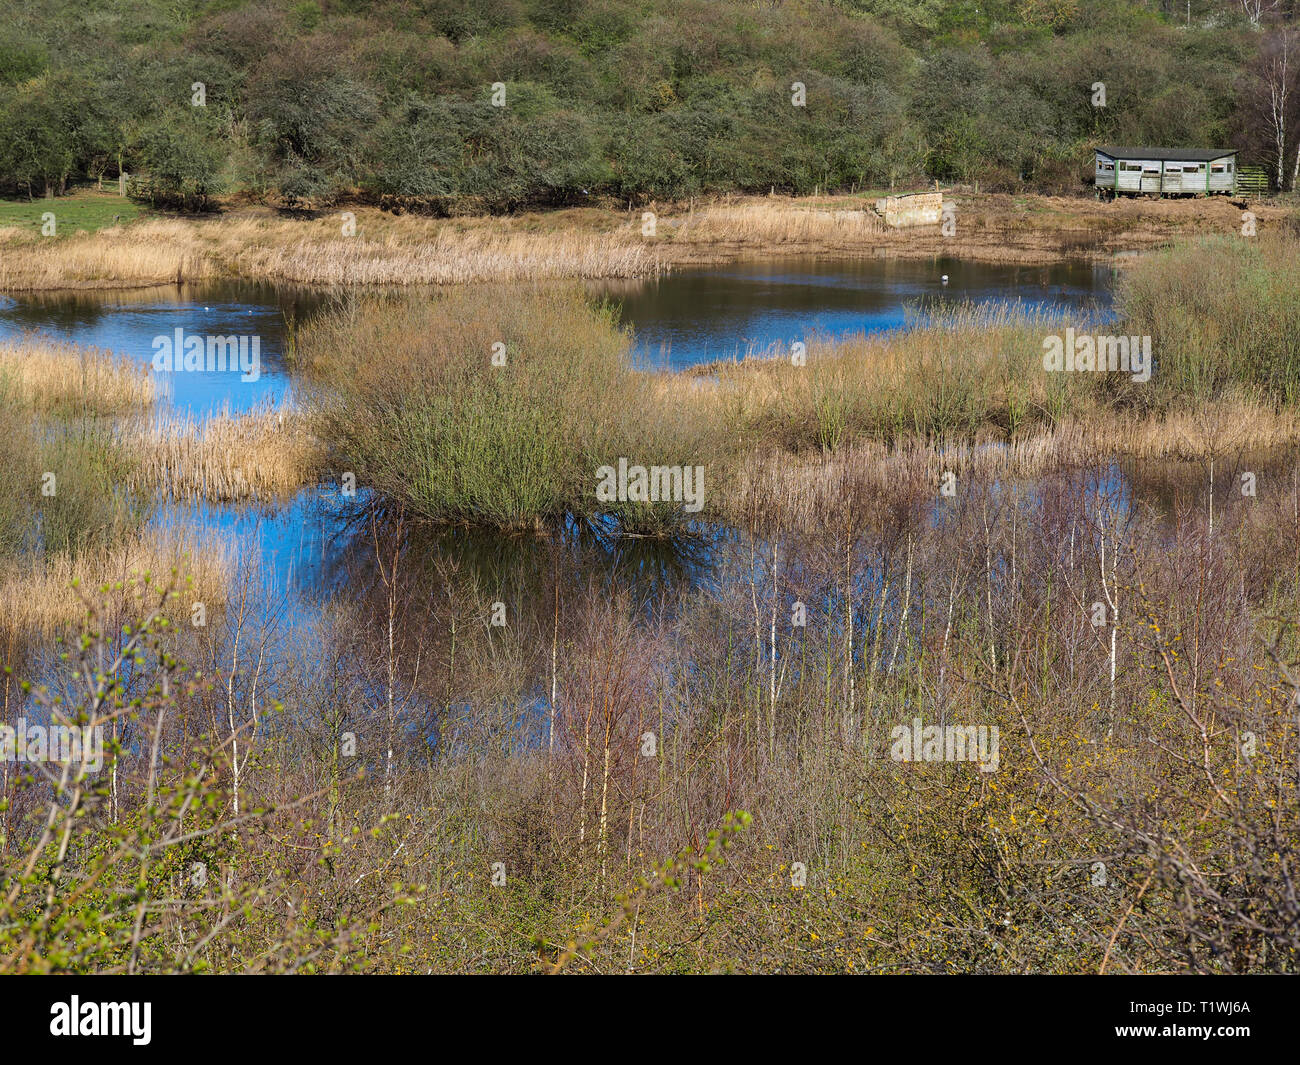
point(921, 209)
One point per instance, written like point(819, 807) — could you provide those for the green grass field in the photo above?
point(85, 210)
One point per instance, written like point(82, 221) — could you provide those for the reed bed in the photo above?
point(263, 454)
point(777, 489)
point(450, 257)
point(384, 251)
point(410, 249)
point(46, 596)
point(145, 253)
point(56, 377)
point(956, 372)
point(790, 490)
point(66, 484)
point(416, 250)
point(777, 223)
point(1233, 424)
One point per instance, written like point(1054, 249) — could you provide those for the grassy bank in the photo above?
point(83, 212)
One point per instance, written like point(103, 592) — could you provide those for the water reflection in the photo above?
point(686, 318)
point(307, 555)
point(127, 322)
point(723, 312)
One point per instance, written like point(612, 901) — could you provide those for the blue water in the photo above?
point(287, 548)
point(130, 323)
point(727, 312)
point(691, 317)
point(687, 318)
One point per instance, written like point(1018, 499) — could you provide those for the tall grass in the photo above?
point(446, 255)
point(263, 453)
point(57, 377)
point(83, 462)
point(384, 251)
point(1222, 312)
point(958, 370)
point(148, 253)
point(66, 516)
point(45, 595)
point(414, 250)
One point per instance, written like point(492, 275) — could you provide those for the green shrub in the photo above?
point(411, 402)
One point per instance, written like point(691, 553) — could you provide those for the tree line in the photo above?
point(454, 106)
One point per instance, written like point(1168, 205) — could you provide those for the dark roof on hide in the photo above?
point(1190, 155)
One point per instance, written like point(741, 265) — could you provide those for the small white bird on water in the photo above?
point(944, 279)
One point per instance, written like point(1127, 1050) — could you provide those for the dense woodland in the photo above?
point(391, 101)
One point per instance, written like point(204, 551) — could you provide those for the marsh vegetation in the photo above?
point(509, 727)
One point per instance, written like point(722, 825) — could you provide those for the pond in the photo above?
point(309, 557)
point(702, 315)
point(687, 318)
point(129, 322)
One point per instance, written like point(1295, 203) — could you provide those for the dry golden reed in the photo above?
point(46, 596)
point(416, 250)
point(450, 258)
point(791, 490)
point(145, 253)
point(412, 249)
point(384, 251)
point(262, 454)
point(1231, 425)
point(53, 376)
